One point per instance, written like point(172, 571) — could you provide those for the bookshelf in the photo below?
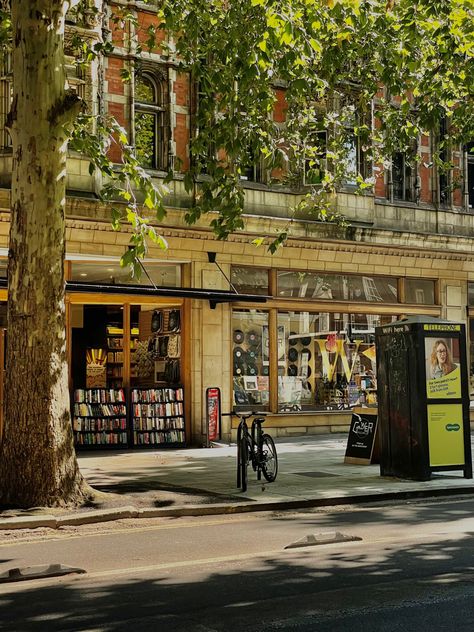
point(158, 417)
point(100, 418)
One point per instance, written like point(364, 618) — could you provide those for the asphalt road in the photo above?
point(411, 569)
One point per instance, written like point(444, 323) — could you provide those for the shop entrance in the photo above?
point(126, 373)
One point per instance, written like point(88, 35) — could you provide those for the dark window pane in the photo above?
point(111, 273)
point(419, 291)
point(249, 280)
point(337, 287)
point(145, 139)
point(145, 91)
point(470, 293)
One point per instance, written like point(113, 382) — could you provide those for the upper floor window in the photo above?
point(354, 128)
point(402, 177)
point(253, 171)
point(315, 162)
point(444, 189)
point(151, 132)
point(470, 175)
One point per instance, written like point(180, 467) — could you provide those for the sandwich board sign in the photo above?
point(362, 442)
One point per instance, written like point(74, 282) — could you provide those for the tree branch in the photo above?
point(66, 110)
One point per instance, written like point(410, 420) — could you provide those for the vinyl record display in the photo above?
point(292, 370)
point(266, 370)
point(251, 369)
point(305, 341)
point(251, 356)
point(292, 341)
point(238, 336)
point(238, 367)
point(292, 354)
point(306, 352)
point(238, 353)
point(253, 338)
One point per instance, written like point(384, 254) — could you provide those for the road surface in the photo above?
point(408, 567)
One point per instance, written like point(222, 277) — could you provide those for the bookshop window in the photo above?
point(326, 361)
point(97, 346)
point(338, 287)
point(251, 359)
point(420, 291)
point(155, 340)
point(161, 274)
point(249, 280)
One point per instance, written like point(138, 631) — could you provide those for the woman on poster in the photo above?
point(441, 362)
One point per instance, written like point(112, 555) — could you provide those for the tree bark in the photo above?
point(38, 466)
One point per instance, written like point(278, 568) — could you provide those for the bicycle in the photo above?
point(257, 447)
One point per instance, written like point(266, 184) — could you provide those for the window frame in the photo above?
point(159, 109)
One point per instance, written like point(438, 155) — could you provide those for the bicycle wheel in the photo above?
point(269, 458)
point(244, 461)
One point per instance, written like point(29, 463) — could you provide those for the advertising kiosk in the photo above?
point(423, 398)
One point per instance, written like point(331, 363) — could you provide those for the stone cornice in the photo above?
point(94, 215)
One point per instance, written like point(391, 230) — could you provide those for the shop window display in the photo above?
point(327, 361)
point(97, 346)
point(251, 359)
point(156, 346)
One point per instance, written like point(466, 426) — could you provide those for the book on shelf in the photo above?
point(158, 416)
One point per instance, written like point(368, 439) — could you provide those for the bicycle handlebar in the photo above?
point(249, 413)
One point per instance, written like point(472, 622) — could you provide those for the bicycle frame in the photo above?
point(254, 444)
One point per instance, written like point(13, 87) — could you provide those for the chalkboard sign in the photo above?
point(362, 442)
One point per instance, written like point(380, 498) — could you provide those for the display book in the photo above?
point(100, 418)
point(158, 416)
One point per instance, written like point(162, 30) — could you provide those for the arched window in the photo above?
point(151, 138)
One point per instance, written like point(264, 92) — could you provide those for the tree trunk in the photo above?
point(38, 466)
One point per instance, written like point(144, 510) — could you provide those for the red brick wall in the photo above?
point(181, 138)
point(280, 107)
point(114, 79)
point(145, 21)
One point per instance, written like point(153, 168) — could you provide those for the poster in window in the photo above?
point(281, 341)
point(96, 368)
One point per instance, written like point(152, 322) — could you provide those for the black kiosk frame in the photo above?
point(423, 398)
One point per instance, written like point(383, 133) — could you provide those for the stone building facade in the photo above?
point(305, 352)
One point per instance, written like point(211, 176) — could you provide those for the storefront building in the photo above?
point(290, 333)
point(294, 335)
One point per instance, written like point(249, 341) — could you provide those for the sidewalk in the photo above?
point(149, 483)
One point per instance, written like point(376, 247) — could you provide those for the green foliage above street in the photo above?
point(332, 58)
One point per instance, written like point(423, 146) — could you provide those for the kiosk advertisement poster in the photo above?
point(445, 434)
point(443, 373)
point(213, 404)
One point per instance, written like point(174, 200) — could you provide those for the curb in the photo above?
point(120, 513)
